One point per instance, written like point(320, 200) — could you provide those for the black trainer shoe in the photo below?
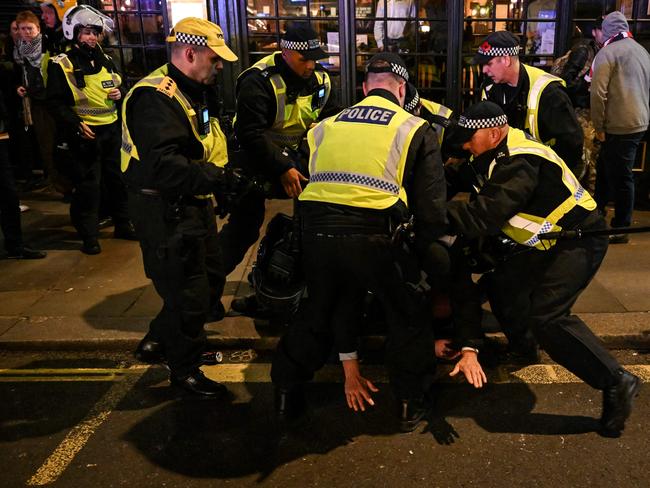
point(91, 246)
point(25, 252)
point(617, 404)
point(197, 383)
point(412, 413)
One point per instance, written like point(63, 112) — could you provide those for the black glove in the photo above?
point(232, 185)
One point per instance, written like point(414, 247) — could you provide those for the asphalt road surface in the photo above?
point(98, 419)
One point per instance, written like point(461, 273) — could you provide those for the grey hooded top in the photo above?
point(620, 86)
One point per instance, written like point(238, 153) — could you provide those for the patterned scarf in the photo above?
point(618, 37)
point(32, 51)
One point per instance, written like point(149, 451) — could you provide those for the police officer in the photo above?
point(533, 100)
point(83, 91)
point(365, 164)
point(436, 114)
point(173, 158)
point(278, 98)
point(523, 189)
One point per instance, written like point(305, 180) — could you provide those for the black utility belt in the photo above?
point(188, 200)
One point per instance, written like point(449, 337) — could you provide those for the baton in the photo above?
point(579, 233)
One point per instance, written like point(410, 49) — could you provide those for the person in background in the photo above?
point(620, 88)
point(32, 58)
point(9, 204)
point(52, 13)
point(396, 37)
point(83, 91)
point(533, 100)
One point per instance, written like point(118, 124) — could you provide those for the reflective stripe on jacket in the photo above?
point(91, 103)
point(525, 228)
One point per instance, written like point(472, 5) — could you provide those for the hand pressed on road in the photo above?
point(290, 180)
point(357, 388)
point(471, 368)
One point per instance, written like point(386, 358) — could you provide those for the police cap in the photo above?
point(412, 99)
point(302, 38)
point(201, 32)
point(499, 43)
point(394, 64)
point(482, 115)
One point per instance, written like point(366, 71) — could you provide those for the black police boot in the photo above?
point(125, 231)
point(250, 307)
point(617, 404)
point(91, 246)
point(289, 403)
point(412, 412)
point(197, 383)
point(25, 252)
point(521, 356)
point(149, 351)
point(216, 313)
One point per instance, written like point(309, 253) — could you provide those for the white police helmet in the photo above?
point(85, 16)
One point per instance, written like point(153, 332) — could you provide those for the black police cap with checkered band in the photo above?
point(395, 65)
point(302, 38)
point(482, 115)
point(499, 43)
point(412, 99)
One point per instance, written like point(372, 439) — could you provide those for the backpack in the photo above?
point(559, 65)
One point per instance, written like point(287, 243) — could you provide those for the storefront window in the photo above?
point(138, 25)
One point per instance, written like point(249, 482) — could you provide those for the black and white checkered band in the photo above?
point(194, 39)
point(499, 51)
point(482, 123)
point(412, 104)
point(300, 45)
point(393, 68)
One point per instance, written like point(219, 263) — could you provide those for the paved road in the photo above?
point(97, 419)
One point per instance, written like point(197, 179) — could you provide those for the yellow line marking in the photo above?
point(46, 379)
point(534, 374)
point(61, 371)
point(77, 438)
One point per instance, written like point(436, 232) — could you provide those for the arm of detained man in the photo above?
point(161, 132)
point(471, 368)
point(357, 388)
point(255, 114)
point(503, 195)
point(557, 120)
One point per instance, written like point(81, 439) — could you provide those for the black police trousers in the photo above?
point(9, 203)
point(90, 163)
point(182, 258)
point(339, 269)
point(532, 293)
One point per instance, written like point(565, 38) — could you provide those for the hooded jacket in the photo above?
point(620, 85)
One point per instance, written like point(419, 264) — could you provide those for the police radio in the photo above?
point(79, 79)
point(203, 120)
point(318, 98)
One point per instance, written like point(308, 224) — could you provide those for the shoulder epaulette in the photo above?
point(63, 60)
point(167, 86)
